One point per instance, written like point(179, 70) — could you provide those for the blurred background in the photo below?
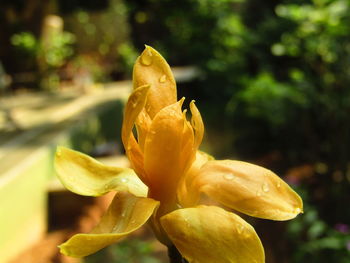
point(271, 78)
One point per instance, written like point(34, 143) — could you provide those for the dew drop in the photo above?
point(124, 180)
point(162, 79)
point(123, 214)
point(240, 229)
point(186, 221)
point(278, 184)
point(258, 193)
point(297, 210)
point(229, 177)
point(265, 187)
point(146, 58)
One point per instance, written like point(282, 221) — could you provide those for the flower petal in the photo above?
point(248, 188)
point(197, 124)
point(208, 234)
point(152, 69)
point(84, 175)
point(134, 106)
point(163, 147)
point(143, 124)
point(186, 196)
point(125, 214)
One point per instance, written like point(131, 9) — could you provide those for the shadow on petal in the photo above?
point(208, 234)
point(84, 175)
point(126, 214)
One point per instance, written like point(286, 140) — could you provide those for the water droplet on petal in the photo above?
point(258, 193)
point(162, 79)
point(146, 58)
point(124, 180)
point(229, 177)
point(278, 184)
point(297, 210)
point(265, 187)
point(240, 229)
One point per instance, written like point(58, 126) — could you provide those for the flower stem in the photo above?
point(175, 256)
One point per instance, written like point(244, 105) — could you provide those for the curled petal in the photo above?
point(84, 175)
point(197, 124)
point(248, 188)
point(163, 147)
point(134, 106)
point(143, 124)
point(152, 69)
point(208, 234)
point(186, 196)
point(125, 214)
point(188, 151)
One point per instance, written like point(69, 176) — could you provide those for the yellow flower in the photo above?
point(168, 178)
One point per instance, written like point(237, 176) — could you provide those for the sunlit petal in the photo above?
point(187, 197)
point(126, 214)
point(84, 175)
point(248, 188)
point(197, 124)
point(188, 150)
point(208, 234)
point(152, 69)
point(163, 149)
point(134, 106)
point(143, 124)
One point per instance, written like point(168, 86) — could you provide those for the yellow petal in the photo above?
point(188, 149)
point(143, 124)
point(248, 188)
point(84, 175)
point(134, 106)
point(208, 234)
point(186, 196)
point(197, 124)
point(163, 147)
point(126, 214)
point(152, 69)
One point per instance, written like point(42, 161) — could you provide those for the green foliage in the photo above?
point(277, 66)
point(55, 54)
point(313, 240)
point(60, 49)
point(25, 42)
point(132, 251)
